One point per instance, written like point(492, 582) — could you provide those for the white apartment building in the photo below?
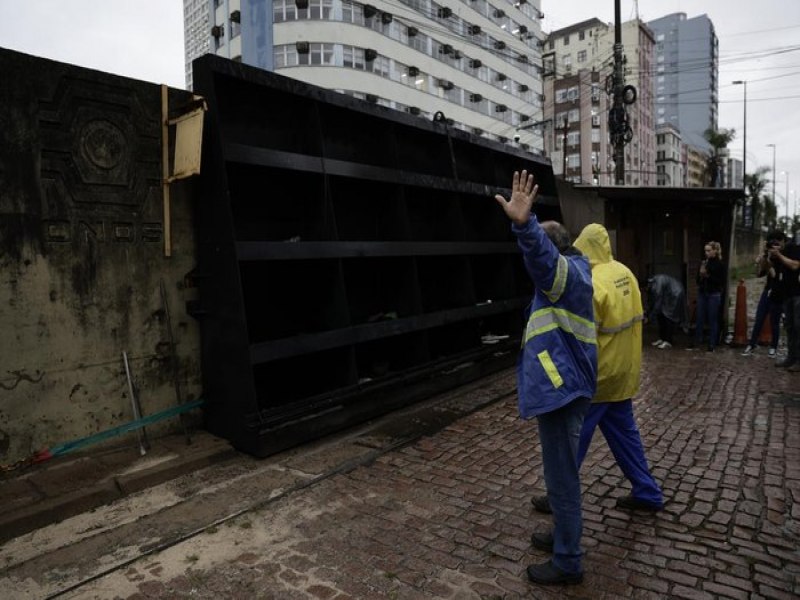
point(589, 47)
point(476, 61)
point(670, 157)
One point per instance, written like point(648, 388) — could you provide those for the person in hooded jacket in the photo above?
point(618, 318)
point(557, 369)
point(667, 305)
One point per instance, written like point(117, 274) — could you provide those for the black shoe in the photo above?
point(549, 574)
point(631, 503)
point(541, 504)
point(542, 540)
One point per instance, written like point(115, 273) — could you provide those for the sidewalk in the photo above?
point(65, 486)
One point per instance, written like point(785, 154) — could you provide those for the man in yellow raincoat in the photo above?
point(618, 317)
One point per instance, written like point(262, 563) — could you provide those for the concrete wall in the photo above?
point(82, 256)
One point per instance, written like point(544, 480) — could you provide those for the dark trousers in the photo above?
point(665, 328)
point(767, 308)
point(708, 310)
point(791, 308)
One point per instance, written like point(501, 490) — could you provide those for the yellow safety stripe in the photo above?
point(550, 368)
point(547, 319)
point(621, 327)
point(559, 281)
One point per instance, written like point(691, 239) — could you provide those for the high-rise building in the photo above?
point(578, 63)
point(478, 62)
point(670, 157)
point(196, 37)
point(686, 76)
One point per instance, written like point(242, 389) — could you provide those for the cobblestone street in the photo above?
point(450, 517)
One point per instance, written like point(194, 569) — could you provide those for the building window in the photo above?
point(353, 57)
point(561, 96)
point(321, 54)
point(581, 56)
point(581, 35)
point(284, 10)
point(574, 138)
point(285, 56)
point(573, 161)
point(320, 9)
point(566, 40)
point(567, 63)
point(574, 115)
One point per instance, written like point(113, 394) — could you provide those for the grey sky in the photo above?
point(759, 42)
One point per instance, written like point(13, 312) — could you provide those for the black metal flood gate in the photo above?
point(351, 258)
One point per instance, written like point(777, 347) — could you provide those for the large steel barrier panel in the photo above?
point(351, 258)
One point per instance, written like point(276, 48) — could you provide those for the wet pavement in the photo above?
point(447, 514)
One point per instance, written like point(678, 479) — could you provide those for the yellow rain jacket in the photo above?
point(618, 317)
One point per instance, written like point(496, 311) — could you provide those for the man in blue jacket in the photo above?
point(557, 370)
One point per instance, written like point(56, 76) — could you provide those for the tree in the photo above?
point(718, 139)
point(754, 184)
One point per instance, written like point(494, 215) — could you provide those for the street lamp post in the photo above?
point(786, 198)
point(774, 199)
point(744, 157)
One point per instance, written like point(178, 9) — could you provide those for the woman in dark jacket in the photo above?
point(710, 283)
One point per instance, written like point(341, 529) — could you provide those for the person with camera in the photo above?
point(787, 261)
point(771, 302)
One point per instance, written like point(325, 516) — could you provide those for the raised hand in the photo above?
point(523, 195)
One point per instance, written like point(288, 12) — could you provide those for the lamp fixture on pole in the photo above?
point(744, 153)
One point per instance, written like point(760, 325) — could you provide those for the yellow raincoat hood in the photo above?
point(618, 318)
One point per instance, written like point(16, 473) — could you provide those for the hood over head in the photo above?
point(593, 242)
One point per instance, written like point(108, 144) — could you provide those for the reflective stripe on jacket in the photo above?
point(618, 316)
point(558, 360)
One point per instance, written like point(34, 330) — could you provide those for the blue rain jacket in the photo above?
point(558, 360)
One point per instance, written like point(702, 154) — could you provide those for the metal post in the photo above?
point(787, 200)
point(773, 170)
point(744, 157)
point(564, 149)
point(619, 80)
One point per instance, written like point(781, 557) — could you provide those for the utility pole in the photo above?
point(564, 149)
point(618, 125)
point(618, 117)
